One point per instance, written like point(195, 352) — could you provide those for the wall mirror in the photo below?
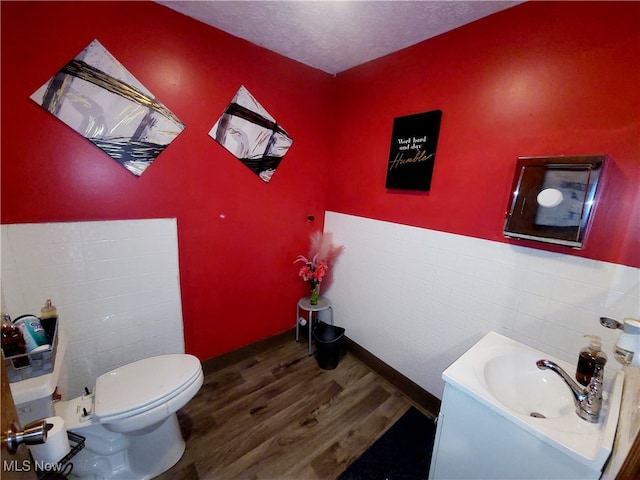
point(553, 198)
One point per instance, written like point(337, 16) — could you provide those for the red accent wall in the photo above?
point(542, 78)
point(538, 79)
point(238, 236)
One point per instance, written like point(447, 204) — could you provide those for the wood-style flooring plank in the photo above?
point(277, 415)
point(271, 460)
point(349, 444)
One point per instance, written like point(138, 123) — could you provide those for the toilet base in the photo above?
point(108, 455)
point(159, 450)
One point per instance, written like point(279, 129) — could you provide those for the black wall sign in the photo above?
point(413, 151)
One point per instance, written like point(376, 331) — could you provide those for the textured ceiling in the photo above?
point(336, 35)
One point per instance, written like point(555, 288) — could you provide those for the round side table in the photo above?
point(305, 304)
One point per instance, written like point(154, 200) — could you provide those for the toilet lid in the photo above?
point(143, 383)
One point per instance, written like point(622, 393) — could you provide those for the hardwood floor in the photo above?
point(277, 415)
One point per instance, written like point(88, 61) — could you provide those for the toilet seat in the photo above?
point(143, 385)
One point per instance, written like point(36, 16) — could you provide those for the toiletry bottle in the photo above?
point(7, 338)
point(589, 356)
point(13, 342)
point(48, 319)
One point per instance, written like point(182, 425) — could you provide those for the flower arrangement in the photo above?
point(322, 255)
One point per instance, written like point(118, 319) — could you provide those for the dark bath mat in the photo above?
point(402, 453)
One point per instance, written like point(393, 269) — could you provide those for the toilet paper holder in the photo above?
point(35, 433)
point(64, 465)
point(77, 442)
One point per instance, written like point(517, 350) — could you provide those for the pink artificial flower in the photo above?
point(314, 271)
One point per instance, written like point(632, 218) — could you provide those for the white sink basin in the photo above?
point(513, 379)
point(502, 374)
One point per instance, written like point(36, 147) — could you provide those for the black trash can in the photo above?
point(328, 345)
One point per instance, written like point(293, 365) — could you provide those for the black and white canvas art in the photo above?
point(252, 135)
point(412, 155)
point(96, 96)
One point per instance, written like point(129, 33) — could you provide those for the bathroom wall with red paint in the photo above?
point(238, 236)
point(541, 78)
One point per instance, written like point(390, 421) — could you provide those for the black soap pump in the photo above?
point(588, 358)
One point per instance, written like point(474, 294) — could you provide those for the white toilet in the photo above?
point(129, 420)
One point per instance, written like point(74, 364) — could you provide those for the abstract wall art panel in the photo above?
point(97, 97)
point(252, 135)
point(413, 151)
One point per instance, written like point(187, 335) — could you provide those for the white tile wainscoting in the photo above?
point(418, 298)
point(115, 283)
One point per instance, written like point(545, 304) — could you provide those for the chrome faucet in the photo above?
point(588, 400)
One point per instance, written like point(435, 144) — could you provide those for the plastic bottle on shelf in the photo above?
point(7, 340)
point(49, 319)
point(13, 342)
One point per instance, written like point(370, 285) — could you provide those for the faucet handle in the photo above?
point(598, 375)
point(588, 401)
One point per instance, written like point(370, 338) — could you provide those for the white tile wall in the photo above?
point(418, 298)
point(115, 284)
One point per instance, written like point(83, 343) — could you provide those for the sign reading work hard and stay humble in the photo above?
point(413, 151)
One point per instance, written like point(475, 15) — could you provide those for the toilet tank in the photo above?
point(33, 395)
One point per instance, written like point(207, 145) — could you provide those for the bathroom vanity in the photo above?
point(503, 418)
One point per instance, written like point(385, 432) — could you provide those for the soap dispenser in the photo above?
point(589, 356)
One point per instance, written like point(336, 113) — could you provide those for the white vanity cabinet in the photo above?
point(474, 442)
point(504, 418)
